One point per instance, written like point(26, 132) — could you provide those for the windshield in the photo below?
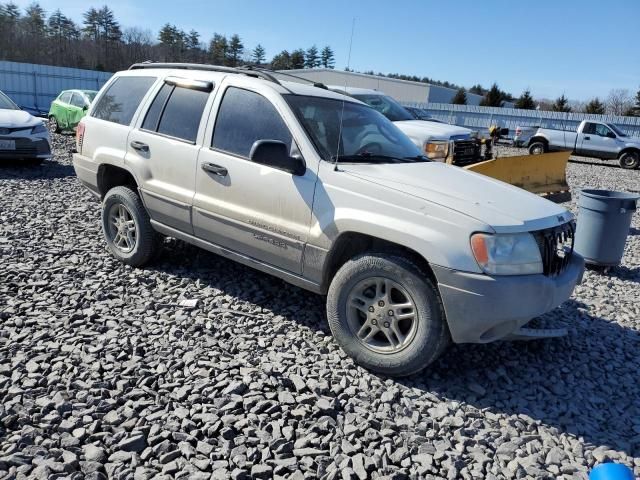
point(386, 106)
point(619, 132)
point(367, 136)
point(6, 103)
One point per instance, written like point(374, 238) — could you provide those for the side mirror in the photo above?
point(274, 153)
point(611, 135)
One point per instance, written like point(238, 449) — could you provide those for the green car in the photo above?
point(69, 108)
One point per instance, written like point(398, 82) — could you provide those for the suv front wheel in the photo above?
point(127, 227)
point(387, 314)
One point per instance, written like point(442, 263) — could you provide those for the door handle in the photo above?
point(215, 169)
point(139, 146)
point(587, 138)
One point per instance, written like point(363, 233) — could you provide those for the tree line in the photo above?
point(619, 101)
point(100, 42)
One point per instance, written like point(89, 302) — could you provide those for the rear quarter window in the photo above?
point(120, 101)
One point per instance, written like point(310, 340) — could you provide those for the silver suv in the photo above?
point(324, 192)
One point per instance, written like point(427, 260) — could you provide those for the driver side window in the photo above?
point(245, 117)
point(602, 130)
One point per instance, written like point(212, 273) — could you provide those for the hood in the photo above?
point(423, 130)
point(501, 206)
point(17, 118)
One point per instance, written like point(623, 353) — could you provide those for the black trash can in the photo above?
point(604, 218)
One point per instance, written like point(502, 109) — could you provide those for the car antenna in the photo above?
point(346, 80)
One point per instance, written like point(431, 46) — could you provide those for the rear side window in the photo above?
point(65, 97)
point(77, 100)
point(176, 112)
point(122, 98)
point(243, 118)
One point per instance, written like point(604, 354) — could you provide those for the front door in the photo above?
point(164, 150)
point(256, 210)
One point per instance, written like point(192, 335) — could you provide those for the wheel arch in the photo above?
point(635, 150)
point(110, 176)
point(538, 138)
point(351, 243)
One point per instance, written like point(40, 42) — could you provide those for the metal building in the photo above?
point(402, 90)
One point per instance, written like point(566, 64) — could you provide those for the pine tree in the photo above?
point(297, 59)
point(636, 107)
point(311, 58)
point(109, 26)
point(327, 59)
point(236, 48)
point(460, 98)
point(493, 98)
point(561, 104)
point(34, 20)
point(525, 101)
point(218, 48)
point(595, 106)
point(281, 61)
point(259, 55)
point(477, 89)
point(192, 40)
point(62, 27)
point(91, 22)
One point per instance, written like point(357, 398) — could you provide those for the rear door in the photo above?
point(61, 111)
point(164, 148)
point(256, 210)
point(75, 110)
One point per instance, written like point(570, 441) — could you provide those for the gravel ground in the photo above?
point(104, 372)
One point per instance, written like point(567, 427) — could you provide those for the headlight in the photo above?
point(436, 149)
point(40, 128)
point(507, 254)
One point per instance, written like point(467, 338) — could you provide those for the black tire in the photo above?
point(537, 148)
point(54, 126)
point(629, 160)
point(146, 241)
point(431, 335)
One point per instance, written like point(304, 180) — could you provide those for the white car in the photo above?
point(323, 191)
point(22, 136)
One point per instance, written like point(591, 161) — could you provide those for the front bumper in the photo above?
point(27, 148)
point(482, 309)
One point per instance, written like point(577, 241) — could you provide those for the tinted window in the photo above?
point(153, 114)
point(243, 118)
point(6, 103)
point(77, 100)
point(121, 100)
point(65, 97)
point(589, 128)
point(181, 115)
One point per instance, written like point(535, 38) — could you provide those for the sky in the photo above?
point(580, 48)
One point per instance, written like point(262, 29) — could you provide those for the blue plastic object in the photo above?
point(604, 218)
point(611, 471)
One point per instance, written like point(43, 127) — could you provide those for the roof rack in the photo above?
point(248, 70)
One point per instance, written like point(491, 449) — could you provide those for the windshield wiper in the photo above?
point(373, 158)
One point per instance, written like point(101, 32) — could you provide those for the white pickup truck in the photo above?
point(433, 138)
point(593, 139)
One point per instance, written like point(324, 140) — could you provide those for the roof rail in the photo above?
point(248, 70)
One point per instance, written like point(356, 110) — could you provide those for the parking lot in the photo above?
point(105, 370)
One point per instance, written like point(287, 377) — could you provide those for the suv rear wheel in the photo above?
point(537, 148)
point(127, 227)
point(387, 314)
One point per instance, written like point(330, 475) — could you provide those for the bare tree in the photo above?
point(619, 101)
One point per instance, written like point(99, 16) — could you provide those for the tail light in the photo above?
point(79, 136)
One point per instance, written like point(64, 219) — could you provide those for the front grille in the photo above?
point(556, 247)
point(466, 152)
point(25, 147)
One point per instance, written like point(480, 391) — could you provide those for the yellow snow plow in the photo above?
point(543, 174)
